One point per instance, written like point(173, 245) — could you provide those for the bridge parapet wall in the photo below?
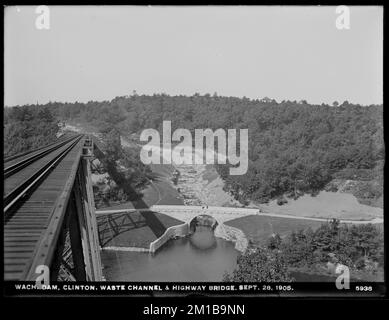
point(202, 210)
point(187, 213)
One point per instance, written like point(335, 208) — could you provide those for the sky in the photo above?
point(285, 53)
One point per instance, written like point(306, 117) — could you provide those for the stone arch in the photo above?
point(203, 219)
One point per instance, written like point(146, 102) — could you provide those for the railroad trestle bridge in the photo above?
point(49, 213)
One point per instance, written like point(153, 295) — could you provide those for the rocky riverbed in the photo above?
point(201, 185)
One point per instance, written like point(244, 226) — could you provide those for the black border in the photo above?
point(105, 305)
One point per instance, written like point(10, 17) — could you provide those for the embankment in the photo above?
point(181, 230)
point(232, 234)
point(132, 249)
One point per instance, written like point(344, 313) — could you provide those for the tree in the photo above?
point(28, 128)
point(260, 265)
point(274, 242)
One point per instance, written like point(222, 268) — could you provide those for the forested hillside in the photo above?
point(27, 128)
point(293, 146)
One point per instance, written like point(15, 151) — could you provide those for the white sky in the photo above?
point(100, 52)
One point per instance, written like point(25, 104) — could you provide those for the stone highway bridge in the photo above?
point(220, 214)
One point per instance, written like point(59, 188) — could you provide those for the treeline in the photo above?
point(360, 247)
point(27, 128)
point(293, 146)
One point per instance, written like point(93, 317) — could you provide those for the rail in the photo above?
point(19, 155)
point(21, 190)
point(16, 167)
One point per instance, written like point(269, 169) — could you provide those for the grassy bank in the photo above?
point(259, 228)
point(326, 205)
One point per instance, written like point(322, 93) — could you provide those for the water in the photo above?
point(199, 257)
point(203, 238)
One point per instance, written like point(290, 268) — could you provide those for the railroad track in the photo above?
point(12, 159)
point(36, 187)
point(24, 174)
point(18, 162)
